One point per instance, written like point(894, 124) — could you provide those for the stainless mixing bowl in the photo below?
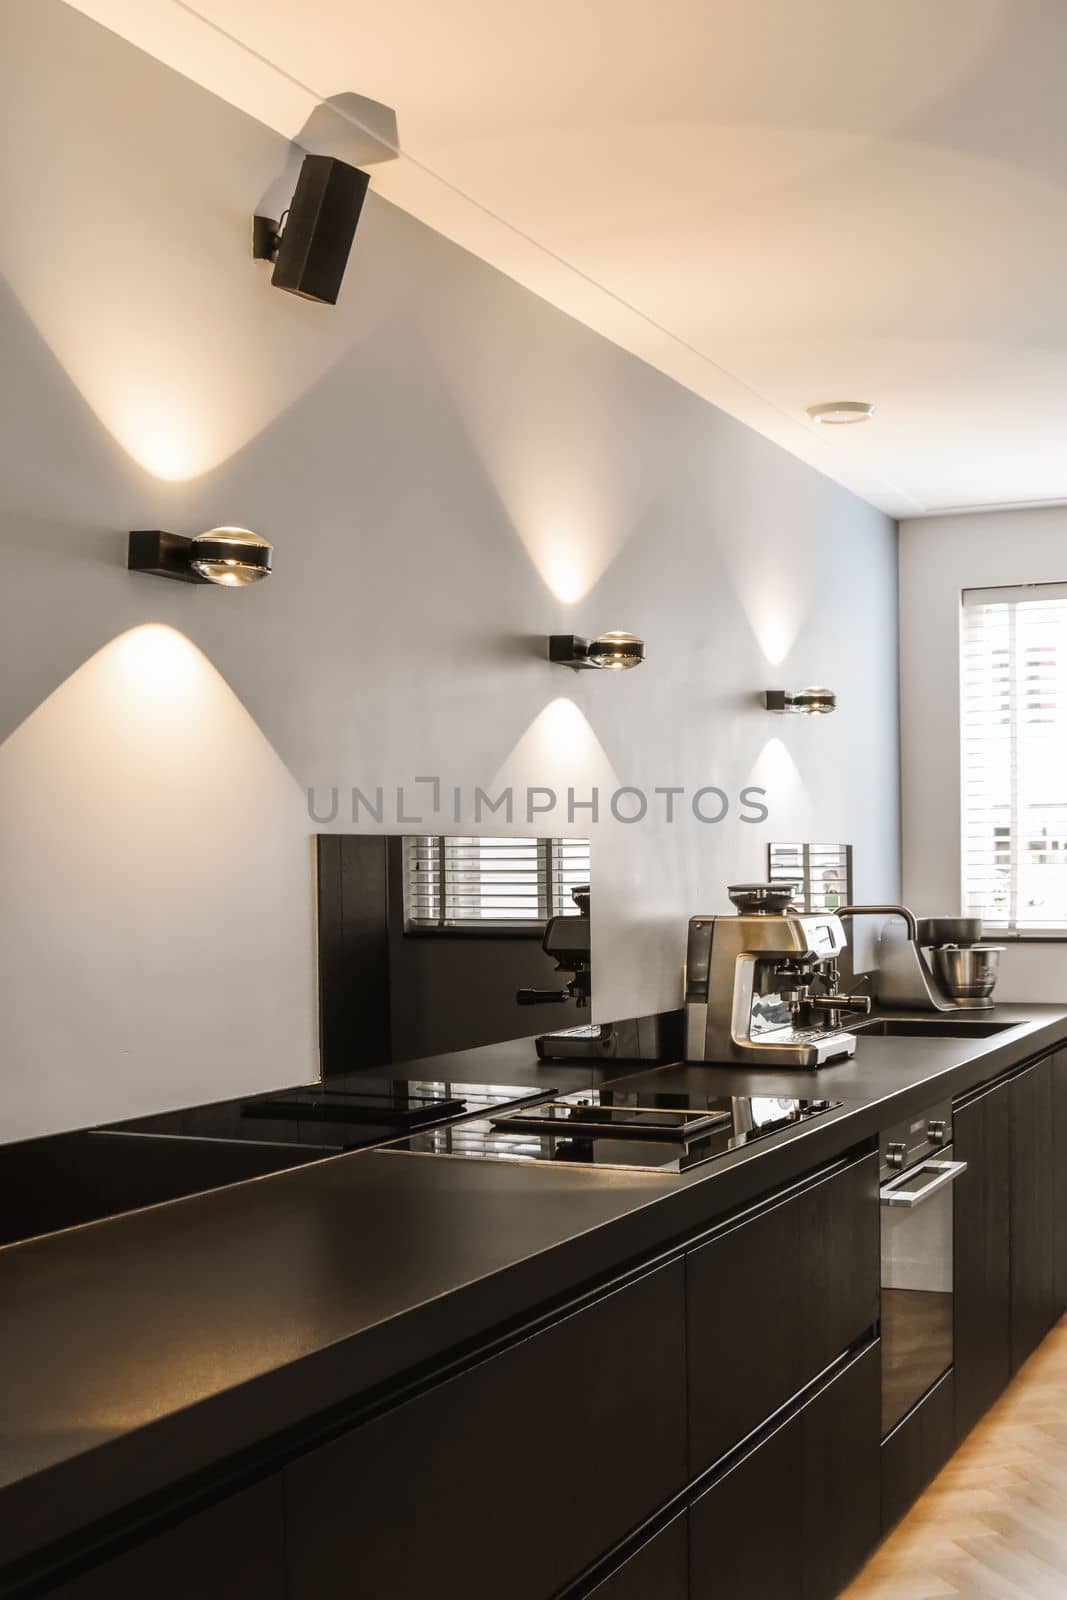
point(968, 975)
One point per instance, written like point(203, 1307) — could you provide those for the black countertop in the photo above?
point(139, 1351)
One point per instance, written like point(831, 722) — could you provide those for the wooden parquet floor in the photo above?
point(993, 1524)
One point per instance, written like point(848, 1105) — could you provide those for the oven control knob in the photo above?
point(896, 1154)
point(937, 1131)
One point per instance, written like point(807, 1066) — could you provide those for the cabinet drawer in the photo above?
point(774, 1300)
point(798, 1514)
point(232, 1551)
point(659, 1570)
point(511, 1477)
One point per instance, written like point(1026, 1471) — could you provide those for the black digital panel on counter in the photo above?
point(633, 1129)
point(323, 1117)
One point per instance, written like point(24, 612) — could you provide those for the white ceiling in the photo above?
point(777, 203)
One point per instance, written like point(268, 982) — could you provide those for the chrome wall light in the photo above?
point(230, 557)
point(801, 702)
point(614, 652)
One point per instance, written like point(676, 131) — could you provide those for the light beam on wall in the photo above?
point(560, 751)
point(775, 604)
point(563, 557)
point(131, 253)
point(572, 543)
point(786, 794)
point(560, 447)
point(156, 871)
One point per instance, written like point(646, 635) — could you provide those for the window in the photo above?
point(1013, 687)
point(823, 873)
point(460, 883)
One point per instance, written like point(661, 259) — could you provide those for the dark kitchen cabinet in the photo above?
point(232, 1551)
point(658, 1571)
point(1033, 1210)
point(1059, 1145)
point(982, 1250)
point(511, 1477)
point(774, 1299)
point(1011, 1224)
point(796, 1516)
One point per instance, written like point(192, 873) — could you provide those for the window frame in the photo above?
point(971, 597)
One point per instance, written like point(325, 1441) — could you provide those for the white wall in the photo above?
point(450, 470)
point(939, 558)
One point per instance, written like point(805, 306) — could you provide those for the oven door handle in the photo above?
point(945, 1172)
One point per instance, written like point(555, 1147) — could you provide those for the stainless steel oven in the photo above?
point(916, 1189)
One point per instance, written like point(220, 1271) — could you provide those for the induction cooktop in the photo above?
point(346, 1117)
point(629, 1129)
point(383, 1102)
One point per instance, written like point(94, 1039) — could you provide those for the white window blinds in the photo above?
point(1014, 757)
point(453, 882)
point(822, 873)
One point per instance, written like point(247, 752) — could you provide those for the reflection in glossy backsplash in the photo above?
point(431, 943)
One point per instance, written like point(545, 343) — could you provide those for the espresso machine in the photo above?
point(761, 986)
point(566, 940)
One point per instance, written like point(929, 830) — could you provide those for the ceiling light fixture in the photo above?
point(614, 652)
point(841, 413)
point(801, 702)
point(228, 557)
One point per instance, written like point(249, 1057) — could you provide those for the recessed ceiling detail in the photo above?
point(764, 202)
point(841, 413)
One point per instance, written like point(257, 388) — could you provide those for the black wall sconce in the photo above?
point(310, 245)
point(229, 557)
point(614, 652)
point(801, 702)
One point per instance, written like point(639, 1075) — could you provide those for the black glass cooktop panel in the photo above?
point(633, 1129)
point(391, 1103)
point(620, 1116)
point(344, 1119)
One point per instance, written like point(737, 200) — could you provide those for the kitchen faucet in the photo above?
point(882, 911)
point(904, 974)
point(836, 1003)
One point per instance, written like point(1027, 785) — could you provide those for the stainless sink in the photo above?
point(933, 1027)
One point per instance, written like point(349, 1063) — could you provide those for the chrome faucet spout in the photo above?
point(883, 911)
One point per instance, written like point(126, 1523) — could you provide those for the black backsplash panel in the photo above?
point(388, 996)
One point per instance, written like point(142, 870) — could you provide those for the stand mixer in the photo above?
point(932, 963)
point(762, 987)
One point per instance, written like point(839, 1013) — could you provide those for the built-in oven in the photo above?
point(916, 1189)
